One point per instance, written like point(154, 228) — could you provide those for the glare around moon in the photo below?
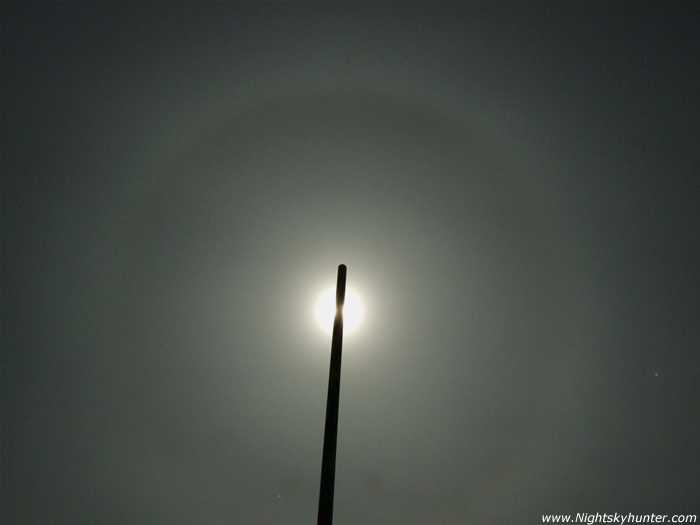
point(325, 310)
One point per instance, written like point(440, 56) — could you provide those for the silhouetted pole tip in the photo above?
point(340, 288)
point(330, 436)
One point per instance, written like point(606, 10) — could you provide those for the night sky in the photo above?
point(514, 188)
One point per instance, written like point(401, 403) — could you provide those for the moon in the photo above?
point(352, 310)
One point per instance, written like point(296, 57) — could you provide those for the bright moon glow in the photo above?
point(352, 311)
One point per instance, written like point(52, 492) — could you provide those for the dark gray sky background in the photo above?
point(514, 188)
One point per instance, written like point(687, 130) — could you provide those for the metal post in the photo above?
point(330, 437)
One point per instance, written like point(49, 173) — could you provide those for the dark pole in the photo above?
point(330, 437)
